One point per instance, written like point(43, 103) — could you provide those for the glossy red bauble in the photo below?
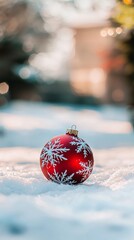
point(67, 159)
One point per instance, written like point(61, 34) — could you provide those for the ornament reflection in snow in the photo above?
point(67, 159)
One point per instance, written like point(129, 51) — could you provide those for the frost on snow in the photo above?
point(101, 209)
point(81, 146)
point(53, 153)
point(62, 177)
point(85, 171)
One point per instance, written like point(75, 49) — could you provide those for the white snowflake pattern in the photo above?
point(86, 168)
point(53, 153)
point(62, 178)
point(81, 146)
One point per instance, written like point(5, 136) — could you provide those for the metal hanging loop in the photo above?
point(73, 127)
point(72, 131)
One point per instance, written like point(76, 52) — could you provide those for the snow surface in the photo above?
point(32, 208)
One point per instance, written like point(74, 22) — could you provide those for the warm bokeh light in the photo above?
point(4, 87)
point(111, 32)
point(103, 33)
point(118, 30)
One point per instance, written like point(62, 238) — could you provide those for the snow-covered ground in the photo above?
point(33, 208)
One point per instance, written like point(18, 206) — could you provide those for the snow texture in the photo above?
point(33, 208)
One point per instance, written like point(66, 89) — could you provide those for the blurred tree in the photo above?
point(21, 30)
point(124, 13)
point(124, 16)
point(31, 33)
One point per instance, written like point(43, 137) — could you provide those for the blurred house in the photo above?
point(96, 65)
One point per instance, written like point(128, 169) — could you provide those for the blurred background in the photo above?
point(65, 62)
point(67, 51)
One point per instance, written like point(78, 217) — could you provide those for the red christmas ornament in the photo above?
point(67, 159)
